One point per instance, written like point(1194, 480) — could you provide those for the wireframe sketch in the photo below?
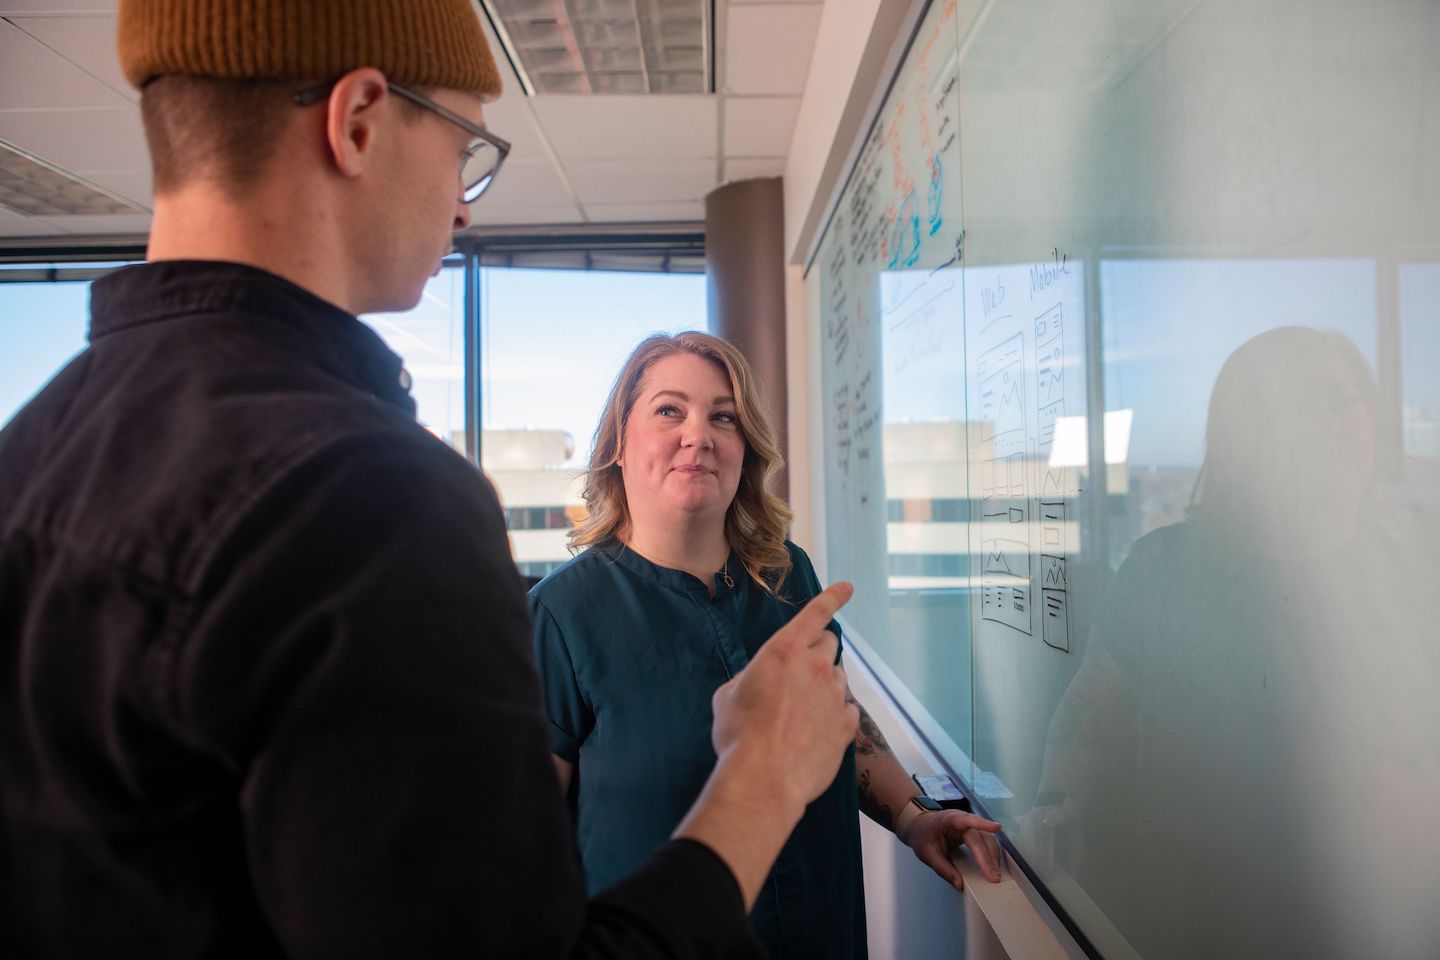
point(1005, 581)
point(1050, 367)
point(1055, 616)
point(1001, 375)
point(1055, 620)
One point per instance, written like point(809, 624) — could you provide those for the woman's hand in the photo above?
point(932, 835)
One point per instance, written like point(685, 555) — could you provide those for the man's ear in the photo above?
point(352, 118)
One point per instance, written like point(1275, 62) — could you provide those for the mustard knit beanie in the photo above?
point(423, 43)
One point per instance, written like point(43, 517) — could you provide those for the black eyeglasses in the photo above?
point(479, 162)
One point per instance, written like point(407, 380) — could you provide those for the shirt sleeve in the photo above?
point(571, 718)
point(361, 662)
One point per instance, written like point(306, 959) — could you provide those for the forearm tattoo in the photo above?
point(871, 806)
point(870, 743)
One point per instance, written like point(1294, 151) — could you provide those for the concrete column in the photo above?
point(745, 280)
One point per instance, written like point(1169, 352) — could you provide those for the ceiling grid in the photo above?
point(581, 157)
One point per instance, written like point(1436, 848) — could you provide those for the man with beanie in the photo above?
point(265, 680)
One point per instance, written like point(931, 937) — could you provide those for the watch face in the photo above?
point(925, 803)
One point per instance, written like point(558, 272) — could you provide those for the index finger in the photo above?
point(816, 615)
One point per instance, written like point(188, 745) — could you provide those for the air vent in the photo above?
point(607, 46)
point(30, 186)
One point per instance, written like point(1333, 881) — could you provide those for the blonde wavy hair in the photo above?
point(756, 520)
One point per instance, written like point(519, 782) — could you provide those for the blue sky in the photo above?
point(41, 326)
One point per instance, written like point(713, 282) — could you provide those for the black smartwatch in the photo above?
point(950, 797)
point(931, 805)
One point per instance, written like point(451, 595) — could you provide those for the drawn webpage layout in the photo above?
point(1024, 331)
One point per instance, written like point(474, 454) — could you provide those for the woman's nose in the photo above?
point(697, 434)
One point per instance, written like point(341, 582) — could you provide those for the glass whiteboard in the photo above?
point(1129, 317)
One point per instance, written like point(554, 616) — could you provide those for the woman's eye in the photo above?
point(724, 417)
point(666, 411)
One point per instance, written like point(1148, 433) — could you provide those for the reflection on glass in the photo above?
point(927, 499)
point(1152, 307)
point(1419, 346)
point(1256, 690)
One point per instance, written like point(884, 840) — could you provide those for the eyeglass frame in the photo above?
point(313, 95)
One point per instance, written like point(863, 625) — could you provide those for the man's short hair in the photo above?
point(221, 131)
point(224, 132)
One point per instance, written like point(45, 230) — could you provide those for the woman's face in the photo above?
point(683, 449)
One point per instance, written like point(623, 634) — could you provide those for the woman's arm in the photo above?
point(885, 787)
point(885, 792)
point(564, 770)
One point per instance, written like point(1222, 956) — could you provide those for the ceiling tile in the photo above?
point(633, 181)
point(768, 48)
point(524, 182)
point(34, 77)
point(511, 117)
point(749, 168)
point(123, 224)
point(759, 126)
point(529, 215)
point(71, 139)
point(688, 212)
point(135, 187)
point(615, 128)
point(87, 42)
point(14, 225)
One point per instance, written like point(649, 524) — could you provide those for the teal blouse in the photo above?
point(629, 655)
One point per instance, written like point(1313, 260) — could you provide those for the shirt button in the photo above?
point(405, 380)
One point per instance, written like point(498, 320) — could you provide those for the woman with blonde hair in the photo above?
point(686, 573)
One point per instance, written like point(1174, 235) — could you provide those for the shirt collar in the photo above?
point(679, 579)
point(189, 289)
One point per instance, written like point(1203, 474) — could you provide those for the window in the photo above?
point(553, 342)
point(42, 325)
point(431, 340)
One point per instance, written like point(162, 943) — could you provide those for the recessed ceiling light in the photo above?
point(607, 46)
point(30, 186)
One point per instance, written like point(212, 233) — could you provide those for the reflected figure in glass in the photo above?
point(1255, 696)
